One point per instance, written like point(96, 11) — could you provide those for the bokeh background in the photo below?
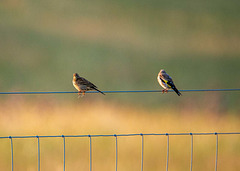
point(119, 45)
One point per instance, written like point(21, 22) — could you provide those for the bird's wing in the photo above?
point(168, 80)
point(166, 77)
point(84, 81)
point(171, 84)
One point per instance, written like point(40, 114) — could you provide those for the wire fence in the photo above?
point(64, 137)
point(114, 91)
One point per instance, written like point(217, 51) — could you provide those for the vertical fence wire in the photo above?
point(116, 151)
point(64, 152)
point(38, 145)
point(191, 164)
point(11, 141)
point(167, 151)
point(142, 152)
point(90, 152)
point(216, 160)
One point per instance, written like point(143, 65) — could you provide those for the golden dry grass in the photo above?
point(97, 117)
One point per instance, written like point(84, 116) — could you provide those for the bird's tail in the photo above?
point(176, 90)
point(99, 91)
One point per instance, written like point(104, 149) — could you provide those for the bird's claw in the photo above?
point(164, 91)
point(80, 94)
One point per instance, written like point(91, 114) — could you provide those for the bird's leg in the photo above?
point(164, 90)
point(79, 94)
point(83, 93)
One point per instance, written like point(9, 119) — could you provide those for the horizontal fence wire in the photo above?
point(113, 91)
point(64, 137)
point(113, 135)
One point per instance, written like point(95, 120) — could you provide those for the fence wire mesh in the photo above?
point(116, 136)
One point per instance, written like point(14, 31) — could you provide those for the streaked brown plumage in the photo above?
point(83, 85)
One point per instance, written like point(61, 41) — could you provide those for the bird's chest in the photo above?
point(163, 84)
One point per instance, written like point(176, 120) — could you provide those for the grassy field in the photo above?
point(97, 117)
point(119, 45)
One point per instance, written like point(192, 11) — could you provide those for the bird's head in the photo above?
point(162, 71)
point(75, 76)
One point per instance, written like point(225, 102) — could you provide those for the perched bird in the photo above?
point(83, 85)
point(166, 82)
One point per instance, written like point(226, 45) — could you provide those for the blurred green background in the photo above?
point(119, 45)
point(122, 45)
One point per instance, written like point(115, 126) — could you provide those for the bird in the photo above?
point(83, 85)
point(166, 82)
